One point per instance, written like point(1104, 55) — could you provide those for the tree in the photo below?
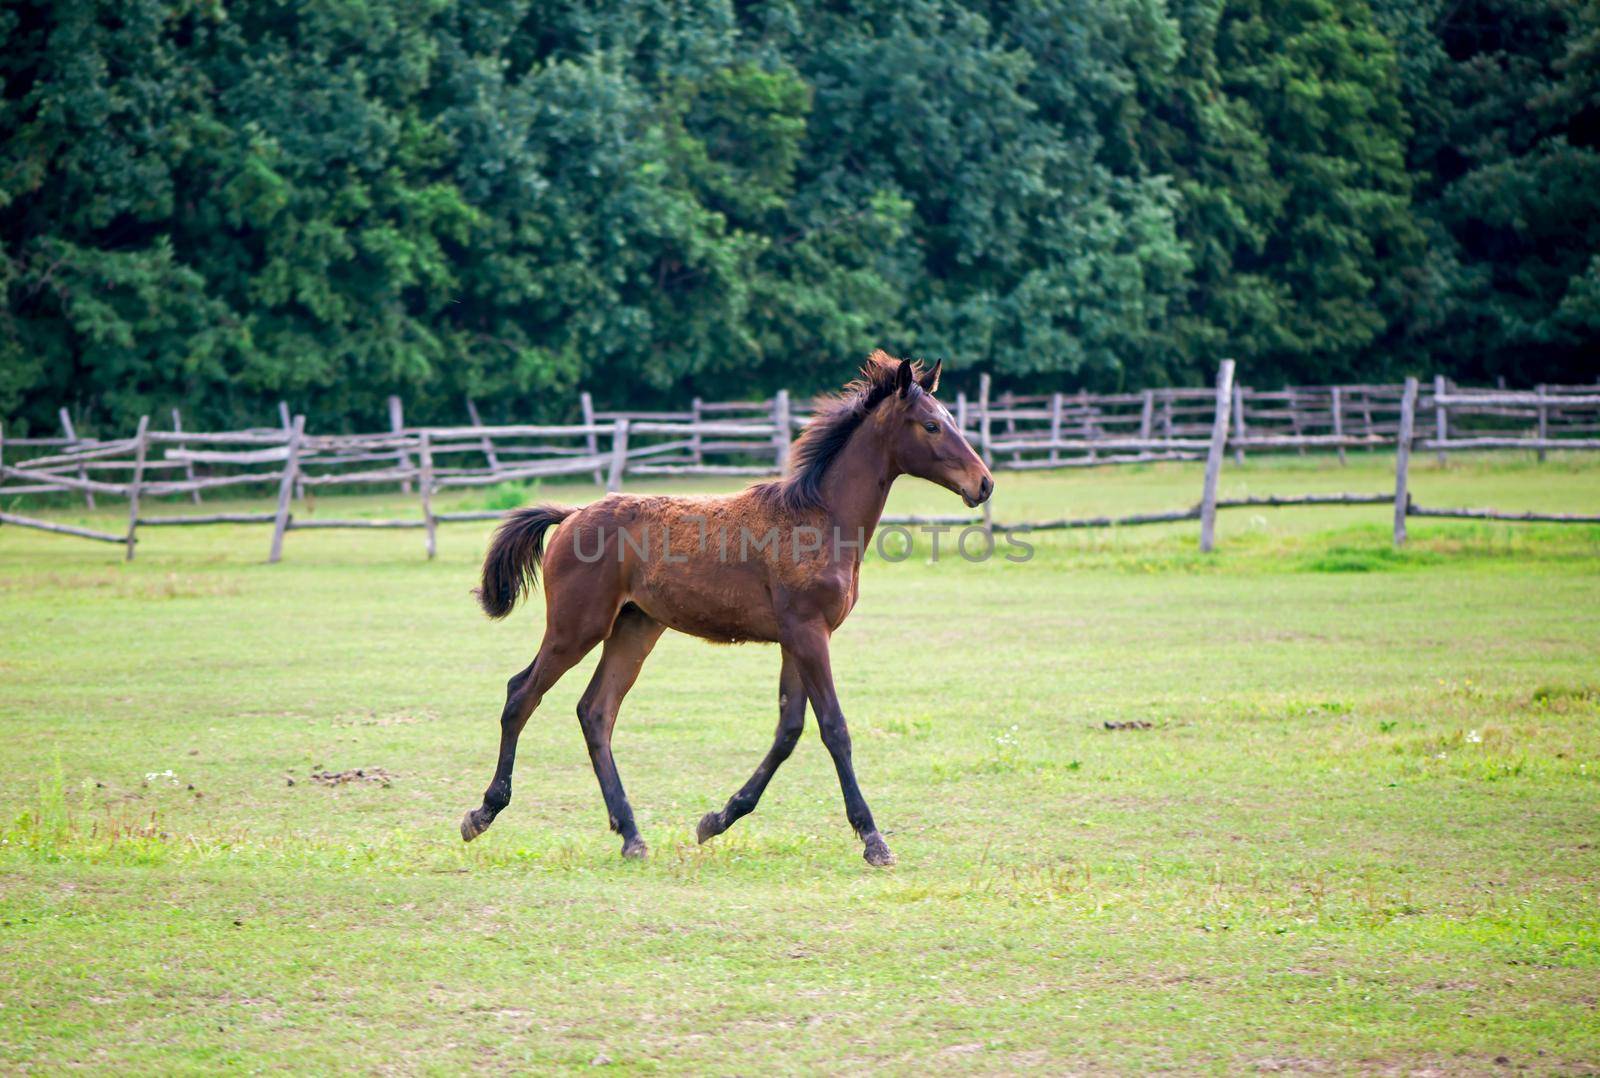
point(1284, 128)
point(221, 206)
point(1508, 180)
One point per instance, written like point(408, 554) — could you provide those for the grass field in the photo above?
point(1359, 832)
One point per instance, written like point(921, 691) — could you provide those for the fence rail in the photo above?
point(752, 438)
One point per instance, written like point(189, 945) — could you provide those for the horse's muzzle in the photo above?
point(985, 488)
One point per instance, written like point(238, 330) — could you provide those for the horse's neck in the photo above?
point(857, 484)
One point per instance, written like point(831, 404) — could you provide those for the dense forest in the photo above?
point(218, 205)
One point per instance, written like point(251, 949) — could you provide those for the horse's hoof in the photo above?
point(471, 828)
point(635, 850)
point(877, 851)
point(710, 827)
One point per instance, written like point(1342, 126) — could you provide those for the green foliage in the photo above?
point(218, 207)
point(1284, 126)
point(1506, 159)
point(509, 495)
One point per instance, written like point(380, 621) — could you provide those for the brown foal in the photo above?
point(779, 562)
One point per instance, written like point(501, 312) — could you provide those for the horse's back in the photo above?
point(705, 566)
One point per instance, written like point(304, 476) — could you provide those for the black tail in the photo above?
point(512, 565)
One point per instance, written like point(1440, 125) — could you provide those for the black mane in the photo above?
point(836, 419)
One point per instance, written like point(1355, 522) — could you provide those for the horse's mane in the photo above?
point(835, 420)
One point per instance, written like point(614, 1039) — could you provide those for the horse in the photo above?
point(729, 569)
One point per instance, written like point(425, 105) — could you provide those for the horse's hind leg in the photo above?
point(564, 645)
point(791, 721)
point(632, 637)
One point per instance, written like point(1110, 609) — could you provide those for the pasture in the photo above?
point(1348, 822)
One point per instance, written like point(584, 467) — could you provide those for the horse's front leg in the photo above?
point(791, 721)
point(807, 644)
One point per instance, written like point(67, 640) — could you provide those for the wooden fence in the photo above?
point(1549, 417)
point(753, 438)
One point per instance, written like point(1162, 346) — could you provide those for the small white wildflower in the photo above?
point(1473, 737)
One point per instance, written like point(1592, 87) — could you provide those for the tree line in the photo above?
point(217, 205)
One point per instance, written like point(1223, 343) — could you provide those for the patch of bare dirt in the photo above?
point(377, 775)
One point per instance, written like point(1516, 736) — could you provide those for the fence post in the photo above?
point(1090, 432)
point(780, 419)
point(1055, 427)
point(425, 484)
point(1238, 424)
point(1402, 460)
point(140, 446)
point(397, 424)
point(487, 444)
point(619, 456)
point(1441, 422)
point(961, 412)
point(983, 420)
point(983, 448)
point(286, 421)
point(1544, 421)
point(1147, 415)
point(1219, 442)
point(1336, 403)
point(291, 471)
point(1166, 416)
point(1294, 414)
point(590, 440)
point(696, 413)
point(188, 465)
point(72, 435)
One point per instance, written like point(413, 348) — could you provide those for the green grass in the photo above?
point(1358, 834)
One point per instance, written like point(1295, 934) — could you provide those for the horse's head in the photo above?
point(924, 439)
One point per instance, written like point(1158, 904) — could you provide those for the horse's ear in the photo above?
point(930, 381)
point(903, 377)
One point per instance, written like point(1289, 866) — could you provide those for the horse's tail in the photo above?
point(512, 564)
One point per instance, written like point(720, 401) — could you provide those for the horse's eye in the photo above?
point(931, 427)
